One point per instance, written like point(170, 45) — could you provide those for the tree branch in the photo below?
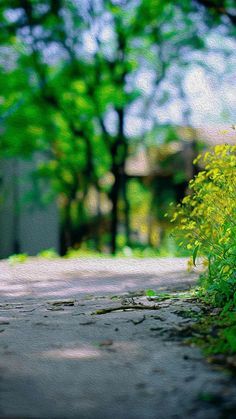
point(125, 308)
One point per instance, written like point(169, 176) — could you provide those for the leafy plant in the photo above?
point(151, 293)
point(48, 254)
point(205, 223)
point(18, 258)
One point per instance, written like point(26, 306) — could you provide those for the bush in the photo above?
point(48, 254)
point(205, 222)
point(18, 258)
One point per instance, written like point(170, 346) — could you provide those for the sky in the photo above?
point(210, 89)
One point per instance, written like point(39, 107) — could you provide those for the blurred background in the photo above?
point(104, 104)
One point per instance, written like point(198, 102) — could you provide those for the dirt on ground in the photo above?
point(80, 339)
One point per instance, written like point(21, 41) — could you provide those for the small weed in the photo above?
point(18, 258)
point(48, 254)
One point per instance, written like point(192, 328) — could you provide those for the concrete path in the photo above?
point(58, 360)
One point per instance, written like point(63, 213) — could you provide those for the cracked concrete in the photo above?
point(58, 360)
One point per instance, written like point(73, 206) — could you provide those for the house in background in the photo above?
point(146, 161)
point(166, 170)
point(32, 227)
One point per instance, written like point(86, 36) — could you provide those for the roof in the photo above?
point(217, 135)
point(143, 161)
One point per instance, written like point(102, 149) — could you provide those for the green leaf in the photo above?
point(151, 293)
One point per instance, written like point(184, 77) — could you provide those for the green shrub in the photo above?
point(48, 254)
point(205, 223)
point(18, 258)
point(83, 253)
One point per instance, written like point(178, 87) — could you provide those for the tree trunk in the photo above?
point(114, 215)
point(66, 230)
point(62, 238)
point(119, 154)
point(98, 224)
point(126, 209)
point(16, 210)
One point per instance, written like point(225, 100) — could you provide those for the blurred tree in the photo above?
point(74, 74)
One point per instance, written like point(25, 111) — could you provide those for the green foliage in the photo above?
point(206, 226)
point(60, 85)
point(230, 337)
point(86, 253)
point(205, 223)
point(18, 258)
point(151, 293)
point(48, 254)
point(216, 332)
